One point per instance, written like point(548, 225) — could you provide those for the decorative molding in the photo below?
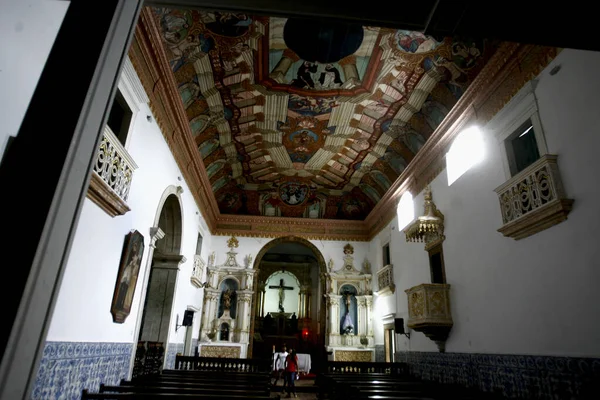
point(131, 87)
point(104, 197)
point(385, 280)
point(533, 200)
point(507, 71)
point(67, 368)
point(509, 375)
point(220, 351)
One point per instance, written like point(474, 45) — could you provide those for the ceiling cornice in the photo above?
point(511, 66)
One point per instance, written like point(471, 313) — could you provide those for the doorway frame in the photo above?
point(389, 337)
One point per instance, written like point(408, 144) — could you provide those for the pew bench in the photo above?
point(167, 396)
point(220, 390)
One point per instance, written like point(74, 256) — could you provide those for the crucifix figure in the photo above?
point(282, 288)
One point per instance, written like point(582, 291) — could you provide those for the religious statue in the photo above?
point(330, 264)
point(227, 299)
point(367, 267)
point(281, 288)
point(348, 325)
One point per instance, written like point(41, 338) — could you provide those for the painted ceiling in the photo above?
point(296, 118)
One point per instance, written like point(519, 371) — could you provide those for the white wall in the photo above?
point(82, 310)
point(28, 29)
point(534, 296)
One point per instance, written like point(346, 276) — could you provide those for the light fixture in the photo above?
point(428, 228)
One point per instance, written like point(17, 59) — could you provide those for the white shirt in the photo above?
point(280, 360)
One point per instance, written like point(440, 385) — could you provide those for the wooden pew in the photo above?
point(334, 386)
point(223, 389)
point(189, 384)
point(196, 384)
point(166, 396)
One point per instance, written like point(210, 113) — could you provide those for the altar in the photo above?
point(223, 350)
point(304, 362)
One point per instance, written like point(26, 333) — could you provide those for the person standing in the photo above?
point(280, 366)
point(291, 369)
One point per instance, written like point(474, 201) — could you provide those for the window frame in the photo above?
point(383, 253)
point(504, 125)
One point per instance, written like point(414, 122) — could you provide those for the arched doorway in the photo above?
point(289, 306)
point(160, 290)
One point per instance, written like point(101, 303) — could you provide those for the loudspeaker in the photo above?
point(399, 326)
point(188, 318)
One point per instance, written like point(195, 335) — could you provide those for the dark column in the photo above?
point(45, 175)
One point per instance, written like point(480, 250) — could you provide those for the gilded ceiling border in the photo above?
point(150, 62)
point(508, 70)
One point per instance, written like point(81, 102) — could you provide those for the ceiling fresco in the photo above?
point(296, 118)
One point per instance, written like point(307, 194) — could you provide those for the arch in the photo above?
point(287, 239)
point(175, 191)
point(239, 285)
point(342, 284)
point(256, 266)
point(156, 322)
point(289, 272)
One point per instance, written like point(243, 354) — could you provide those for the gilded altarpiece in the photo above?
point(226, 326)
point(349, 333)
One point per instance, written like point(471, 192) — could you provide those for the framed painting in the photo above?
point(129, 268)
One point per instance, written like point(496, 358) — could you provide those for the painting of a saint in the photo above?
point(129, 269)
point(330, 77)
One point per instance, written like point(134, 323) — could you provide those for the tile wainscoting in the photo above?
point(379, 353)
point(67, 368)
point(172, 350)
point(514, 376)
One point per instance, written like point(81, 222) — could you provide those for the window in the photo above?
point(120, 117)
point(518, 131)
point(436, 264)
point(405, 210)
point(522, 148)
point(386, 255)
point(466, 151)
point(199, 244)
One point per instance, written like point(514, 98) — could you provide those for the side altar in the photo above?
point(227, 303)
point(349, 295)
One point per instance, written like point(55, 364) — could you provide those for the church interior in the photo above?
point(407, 207)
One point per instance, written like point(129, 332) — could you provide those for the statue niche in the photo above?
point(228, 301)
point(348, 310)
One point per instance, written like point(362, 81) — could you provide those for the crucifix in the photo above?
point(282, 288)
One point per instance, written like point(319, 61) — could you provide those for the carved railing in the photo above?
point(197, 271)
point(112, 175)
point(222, 364)
point(385, 280)
point(357, 367)
point(533, 200)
